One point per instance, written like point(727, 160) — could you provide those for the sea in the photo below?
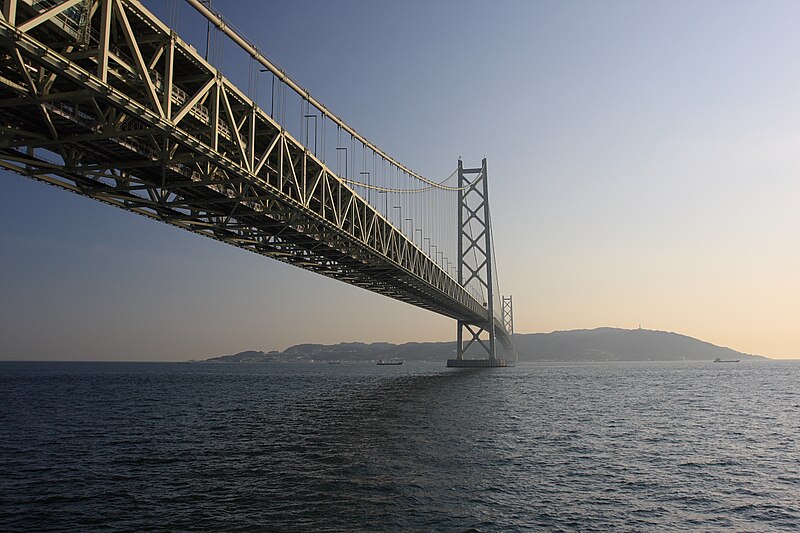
point(639, 446)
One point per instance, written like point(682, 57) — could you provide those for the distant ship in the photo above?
point(337, 362)
point(382, 362)
point(718, 360)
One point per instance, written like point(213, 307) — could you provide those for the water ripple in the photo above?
point(589, 447)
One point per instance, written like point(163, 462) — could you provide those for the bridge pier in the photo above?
point(476, 363)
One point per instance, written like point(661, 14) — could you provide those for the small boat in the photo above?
point(337, 362)
point(382, 362)
point(718, 360)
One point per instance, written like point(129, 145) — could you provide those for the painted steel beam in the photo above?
point(141, 122)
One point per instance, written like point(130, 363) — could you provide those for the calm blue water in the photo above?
point(635, 446)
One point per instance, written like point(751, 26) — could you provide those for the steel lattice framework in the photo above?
point(508, 320)
point(473, 206)
point(100, 98)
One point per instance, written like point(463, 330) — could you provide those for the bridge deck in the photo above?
point(116, 107)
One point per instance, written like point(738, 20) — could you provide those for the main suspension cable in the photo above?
point(223, 26)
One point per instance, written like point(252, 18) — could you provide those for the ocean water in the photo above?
point(418, 447)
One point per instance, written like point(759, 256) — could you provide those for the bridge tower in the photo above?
point(508, 322)
point(475, 242)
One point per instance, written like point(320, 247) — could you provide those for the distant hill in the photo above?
point(346, 351)
point(612, 344)
point(249, 356)
point(601, 344)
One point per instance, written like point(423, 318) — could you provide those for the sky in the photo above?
point(644, 165)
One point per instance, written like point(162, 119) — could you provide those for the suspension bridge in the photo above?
point(103, 99)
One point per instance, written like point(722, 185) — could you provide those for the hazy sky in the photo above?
point(644, 162)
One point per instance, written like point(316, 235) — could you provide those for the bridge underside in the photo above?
point(117, 108)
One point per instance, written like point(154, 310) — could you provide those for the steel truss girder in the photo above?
point(140, 121)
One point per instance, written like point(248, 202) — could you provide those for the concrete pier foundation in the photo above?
point(476, 363)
